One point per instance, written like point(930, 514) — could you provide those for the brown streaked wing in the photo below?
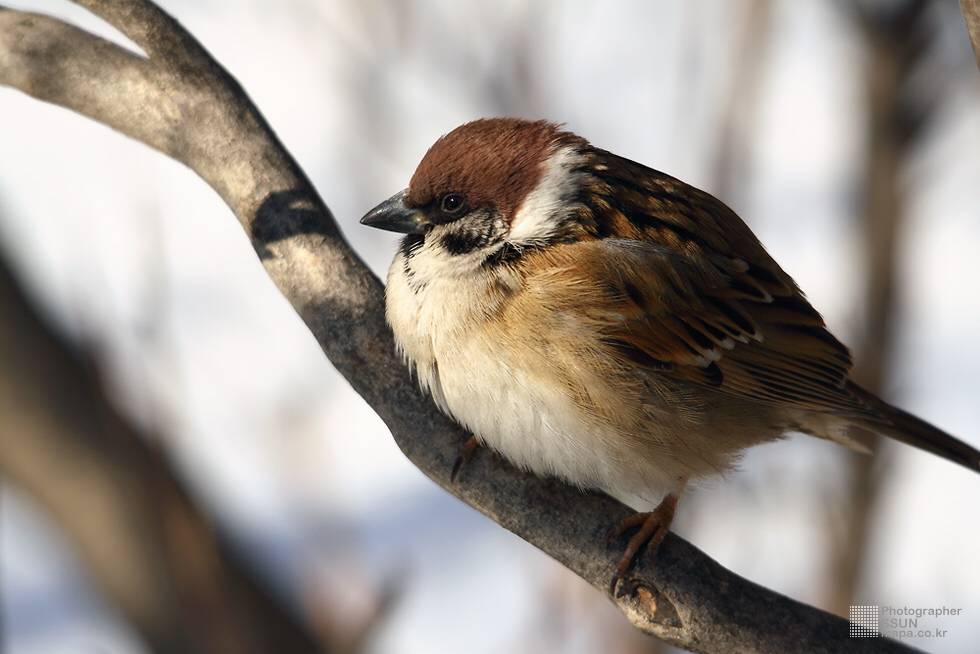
point(693, 292)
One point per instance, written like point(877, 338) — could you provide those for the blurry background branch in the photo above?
point(741, 104)
point(898, 39)
point(154, 552)
point(182, 103)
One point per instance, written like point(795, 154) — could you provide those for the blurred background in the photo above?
point(177, 453)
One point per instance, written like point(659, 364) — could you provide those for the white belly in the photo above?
point(536, 425)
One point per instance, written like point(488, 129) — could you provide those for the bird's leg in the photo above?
point(653, 527)
point(465, 454)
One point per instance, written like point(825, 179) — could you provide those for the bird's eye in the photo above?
point(452, 203)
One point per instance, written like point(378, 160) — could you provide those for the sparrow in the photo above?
point(596, 320)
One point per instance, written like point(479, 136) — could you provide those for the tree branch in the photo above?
point(971, 14)
point(149, 547)
point(181, 102)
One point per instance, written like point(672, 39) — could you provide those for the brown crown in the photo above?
point(492, 161)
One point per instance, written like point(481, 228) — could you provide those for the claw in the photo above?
point(653, 527)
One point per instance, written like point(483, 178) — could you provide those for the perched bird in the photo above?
point(593, 319)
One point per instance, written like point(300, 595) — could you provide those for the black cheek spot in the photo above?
point(463, 243)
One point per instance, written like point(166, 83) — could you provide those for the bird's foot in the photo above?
point(465, 455)
point(652, 528)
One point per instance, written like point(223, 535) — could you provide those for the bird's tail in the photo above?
point(908, 429)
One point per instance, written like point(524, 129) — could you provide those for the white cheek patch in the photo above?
point(433, 262)
point(541, 212)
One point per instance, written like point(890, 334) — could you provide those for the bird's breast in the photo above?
point(508, 387)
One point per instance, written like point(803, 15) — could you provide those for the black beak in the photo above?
point(393, 215)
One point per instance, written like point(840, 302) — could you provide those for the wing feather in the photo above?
point(678, 284)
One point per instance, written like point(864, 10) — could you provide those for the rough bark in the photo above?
point(181, 102)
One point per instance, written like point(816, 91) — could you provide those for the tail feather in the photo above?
point(906, 428)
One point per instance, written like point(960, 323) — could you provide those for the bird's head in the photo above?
point(487, 186)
